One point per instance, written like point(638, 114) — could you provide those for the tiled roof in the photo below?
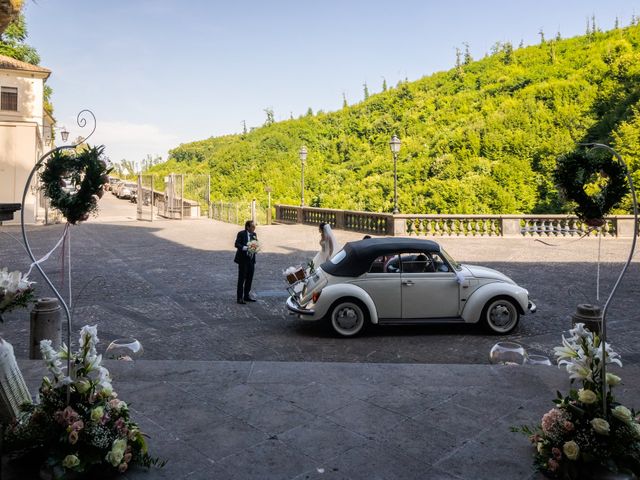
point(13, 64)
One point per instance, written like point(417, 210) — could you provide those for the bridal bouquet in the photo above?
point(253, 247)
point(90, 433)
point(577, 436)
point(15, 291)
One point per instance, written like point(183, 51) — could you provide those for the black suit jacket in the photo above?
point(241, 241)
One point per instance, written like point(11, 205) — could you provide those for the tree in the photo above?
point(384, 84)
point(541, 33)
point(366, 91)
point(270, 118)
point(12, 42)
point(244, 127)
point(9, 11)
point(467, 54)
point(344, 101)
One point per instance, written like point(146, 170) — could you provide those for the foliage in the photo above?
point(12, 42)
point(89, 434)
point(596, 183)
point(577, 436)
point(16, 291)
point(87, 172)
point(483, 138)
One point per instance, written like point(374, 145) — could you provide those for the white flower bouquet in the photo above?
point(15, 291)
point(577, 436)
point(253, 247)
point(89, 434)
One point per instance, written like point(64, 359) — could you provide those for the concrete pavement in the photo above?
point(242, 392)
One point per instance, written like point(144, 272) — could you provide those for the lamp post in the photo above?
point(303, 158)
point(64, 134)
point(395, 148)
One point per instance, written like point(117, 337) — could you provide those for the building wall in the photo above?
point(21, 139)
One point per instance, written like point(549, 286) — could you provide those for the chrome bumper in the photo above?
point(532, 307)
point(293, 307)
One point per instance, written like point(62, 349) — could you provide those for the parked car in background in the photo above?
point(126, 190)
point(400, 281)
point(113, 181)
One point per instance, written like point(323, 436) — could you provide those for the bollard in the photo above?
point(45, 325)
point(590, 315)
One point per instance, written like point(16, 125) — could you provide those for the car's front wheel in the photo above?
point(348, 317)
point(501, 315)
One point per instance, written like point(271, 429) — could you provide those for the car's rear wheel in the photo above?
point(348, 317)
point(500, 315)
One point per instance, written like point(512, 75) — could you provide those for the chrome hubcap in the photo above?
point(347, 318)
point(500, 315)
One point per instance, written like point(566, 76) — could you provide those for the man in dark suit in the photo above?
point(246, 262)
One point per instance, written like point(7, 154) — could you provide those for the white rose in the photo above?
point(622, 413)
point(571, 450)
point(613, 379)
point(636, 430)
point(540, 447)
point(587, 396)
point(600, 425)
point(70, 461)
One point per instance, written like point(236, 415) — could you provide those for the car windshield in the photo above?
point(451, 261)
point(338, 257)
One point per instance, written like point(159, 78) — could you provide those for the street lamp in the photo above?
point(64, 134)
point(395, 148)
point(303, 158)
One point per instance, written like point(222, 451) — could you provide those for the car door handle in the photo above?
point(408, 283)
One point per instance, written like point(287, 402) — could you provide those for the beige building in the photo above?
point(25, 131)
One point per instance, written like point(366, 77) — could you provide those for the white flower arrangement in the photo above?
point(577, 436)
point(86, 433)
point(253, 247)
point(15, 290)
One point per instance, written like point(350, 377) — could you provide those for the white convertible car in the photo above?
point(404, 281)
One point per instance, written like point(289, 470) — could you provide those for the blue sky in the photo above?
point(159, 73)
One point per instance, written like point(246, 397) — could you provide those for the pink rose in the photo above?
point(557, 453)
point(122, 467)
point(553, 465)
point(77, 426)
point(568, 426)
point(59, 417)
point(127, 457)
point(69, 415)
point(73, 437)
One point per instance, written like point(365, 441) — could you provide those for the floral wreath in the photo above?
point(594, 200)
point(87, 170)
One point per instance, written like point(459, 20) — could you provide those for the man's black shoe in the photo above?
point(247, 299)
point(241, 301)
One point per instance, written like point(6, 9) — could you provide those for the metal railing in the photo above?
point(455, 225)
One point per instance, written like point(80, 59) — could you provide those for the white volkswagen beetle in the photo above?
point(400, 281)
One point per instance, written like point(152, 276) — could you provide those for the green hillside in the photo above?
point(482, 137)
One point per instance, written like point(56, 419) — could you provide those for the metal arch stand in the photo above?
point(81, 122)
point(603, 333)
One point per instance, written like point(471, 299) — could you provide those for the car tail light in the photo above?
point(315, 296)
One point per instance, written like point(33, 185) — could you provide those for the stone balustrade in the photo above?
point(454, 225)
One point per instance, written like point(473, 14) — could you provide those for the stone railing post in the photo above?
point(278, 213)
point(398, 225)
point(300, 211)
point(510, 226)
point(340, 220)
point(624, 226)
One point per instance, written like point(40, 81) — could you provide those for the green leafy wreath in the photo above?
point(87, 170)
point(595, 182)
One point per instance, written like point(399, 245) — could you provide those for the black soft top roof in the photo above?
point(361, 254)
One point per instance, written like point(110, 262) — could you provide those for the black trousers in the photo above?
point(245, 277)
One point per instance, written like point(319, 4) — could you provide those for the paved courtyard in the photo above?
point(247, 392)
point(171, 284)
